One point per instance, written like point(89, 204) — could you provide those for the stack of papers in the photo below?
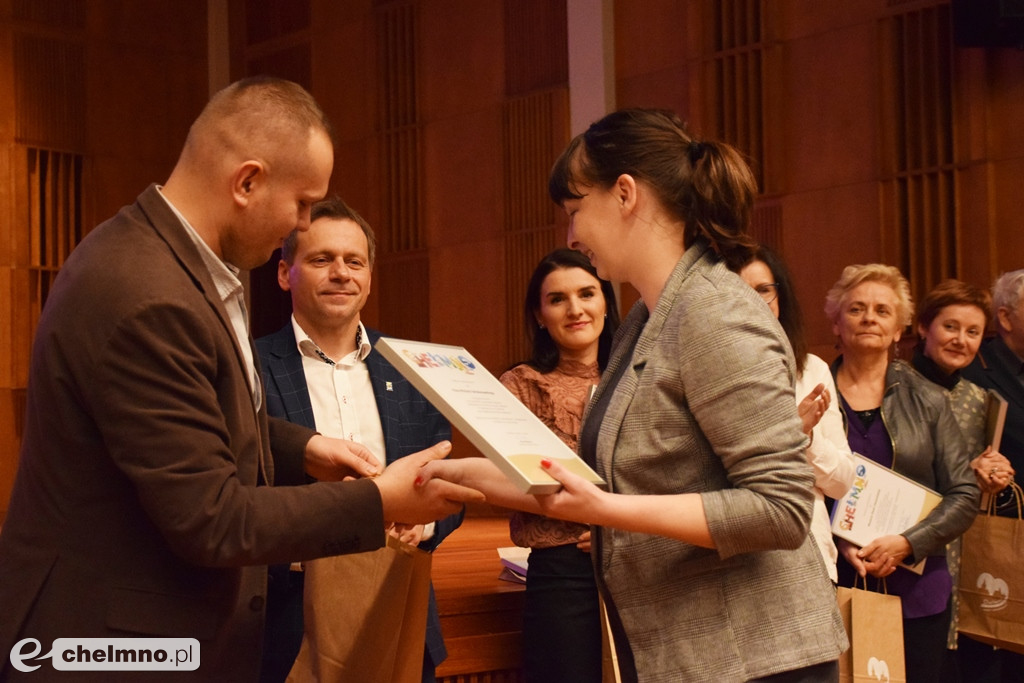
point(514, 562)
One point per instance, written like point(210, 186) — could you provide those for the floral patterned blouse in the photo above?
point(558, 399)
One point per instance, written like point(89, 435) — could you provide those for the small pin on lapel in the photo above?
point(388, 386)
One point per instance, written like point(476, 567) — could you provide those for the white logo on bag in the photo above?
point(878, 669)
point(998, 592)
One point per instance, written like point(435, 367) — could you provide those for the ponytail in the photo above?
point(707, 185)
point(717, 202)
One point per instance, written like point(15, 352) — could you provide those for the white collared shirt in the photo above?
point(232, 295)
point(341, 394)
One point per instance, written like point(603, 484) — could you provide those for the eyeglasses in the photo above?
point(768, 291)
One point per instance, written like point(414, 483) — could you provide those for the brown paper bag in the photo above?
point(365, 617)
point(991, 583)
point(610, 672)
point(874, 625)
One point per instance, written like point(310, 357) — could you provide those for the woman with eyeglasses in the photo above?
point(828, 452)
point(900, 420)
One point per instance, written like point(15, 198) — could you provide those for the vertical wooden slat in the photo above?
point(35, 161)
point(729, 39)
point(734, 74)
point(924, 151)
point(399, 127)
point(60, 208)
point(534, 128)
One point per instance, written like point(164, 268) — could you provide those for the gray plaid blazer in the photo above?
point(705, 405)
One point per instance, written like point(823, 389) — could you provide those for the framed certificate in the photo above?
point(490, 416)
point(881, 502)
point(995, 418)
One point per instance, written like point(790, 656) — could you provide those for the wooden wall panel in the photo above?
point(1004, 99)
point(462, 60)
point(267, 20)
point(650, 37)
point(402, 287)
point(536, 46)
point(831, 109)
point(102, 85)
point(827, 96)
point(54, 116)
point(1008, 234)
point(918, 163)
point(535, 130)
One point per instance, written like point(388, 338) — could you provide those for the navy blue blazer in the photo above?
point(410, 424)
point(997, 367)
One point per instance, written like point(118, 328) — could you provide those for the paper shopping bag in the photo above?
point(610, 672)
point(991, 583)
point(365, 617)
point(874, 625)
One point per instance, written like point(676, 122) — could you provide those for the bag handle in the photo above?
point(857, 578)
point(1018, 496)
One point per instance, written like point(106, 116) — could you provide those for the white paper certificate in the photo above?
point(880, 503)
point(480, 407)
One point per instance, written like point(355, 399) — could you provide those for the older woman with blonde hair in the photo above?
point(900, 420)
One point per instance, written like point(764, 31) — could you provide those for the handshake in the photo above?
point(407, 497)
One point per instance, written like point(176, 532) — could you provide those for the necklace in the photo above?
point(327, 359)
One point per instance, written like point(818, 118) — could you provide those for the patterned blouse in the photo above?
point(558, 399)
point(967, 400)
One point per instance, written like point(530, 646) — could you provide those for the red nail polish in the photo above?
point(419, 480)
point(545, 463)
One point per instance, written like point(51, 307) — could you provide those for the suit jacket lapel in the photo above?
point(167, 224)
point(381, 372)
point(1004, 376)
point(284, 366)
point(170, 229)
point(633, 342)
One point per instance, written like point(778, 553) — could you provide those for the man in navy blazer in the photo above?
point(999, 365)
point(320, 370)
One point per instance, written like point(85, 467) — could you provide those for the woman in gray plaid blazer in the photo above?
point(705, 562)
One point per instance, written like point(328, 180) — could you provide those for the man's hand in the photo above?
point(407, 533)
point(406, 502)
point(338, 460)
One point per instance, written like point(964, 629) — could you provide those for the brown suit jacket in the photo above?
point(140, 506)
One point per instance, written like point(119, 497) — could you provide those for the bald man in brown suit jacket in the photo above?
point(143, 505)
